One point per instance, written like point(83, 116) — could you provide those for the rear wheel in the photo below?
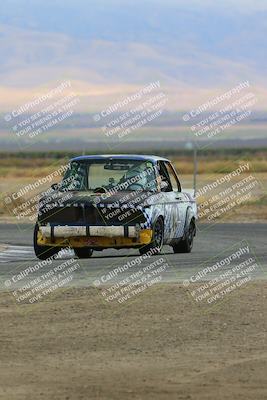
point(43, 252)
point(157, 240)
point(186, 245)
point(83, 252)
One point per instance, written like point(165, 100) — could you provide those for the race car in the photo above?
point(116, 201)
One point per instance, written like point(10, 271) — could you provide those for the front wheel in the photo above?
point(42, 252)
point(156, 245)
point(186, 245)
point(83, 252)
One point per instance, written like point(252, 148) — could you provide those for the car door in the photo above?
point(181, 200)
point(172, 195)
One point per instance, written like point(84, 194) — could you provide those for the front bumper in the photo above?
point(74, 231)
point(94, 236)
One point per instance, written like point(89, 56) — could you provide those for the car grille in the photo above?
point(90, 215)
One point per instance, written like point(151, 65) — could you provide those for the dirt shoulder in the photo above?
point(161, 346)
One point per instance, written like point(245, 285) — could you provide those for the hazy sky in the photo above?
point(196, 48)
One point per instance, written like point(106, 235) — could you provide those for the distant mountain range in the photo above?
point(110, 48)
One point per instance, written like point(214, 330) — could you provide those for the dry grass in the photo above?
point(28, 167)
point(39, 166)
point(206, 166)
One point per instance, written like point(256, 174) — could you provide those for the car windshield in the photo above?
point(101, 176)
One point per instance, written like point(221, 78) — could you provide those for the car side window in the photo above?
point(176, 186)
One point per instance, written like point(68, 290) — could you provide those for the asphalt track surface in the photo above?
point(212, 244)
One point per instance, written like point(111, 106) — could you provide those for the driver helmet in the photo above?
point(136, 175)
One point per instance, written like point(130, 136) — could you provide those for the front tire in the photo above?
point(83, 252)
point(42, 252)
point(157, 240)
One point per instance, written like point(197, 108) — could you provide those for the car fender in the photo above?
point(152, 213)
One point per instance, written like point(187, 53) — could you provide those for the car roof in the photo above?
point(138, 157)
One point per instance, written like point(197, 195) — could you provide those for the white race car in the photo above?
point(116, 201)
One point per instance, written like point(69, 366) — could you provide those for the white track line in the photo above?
point(19, 253)
point(10, 253)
